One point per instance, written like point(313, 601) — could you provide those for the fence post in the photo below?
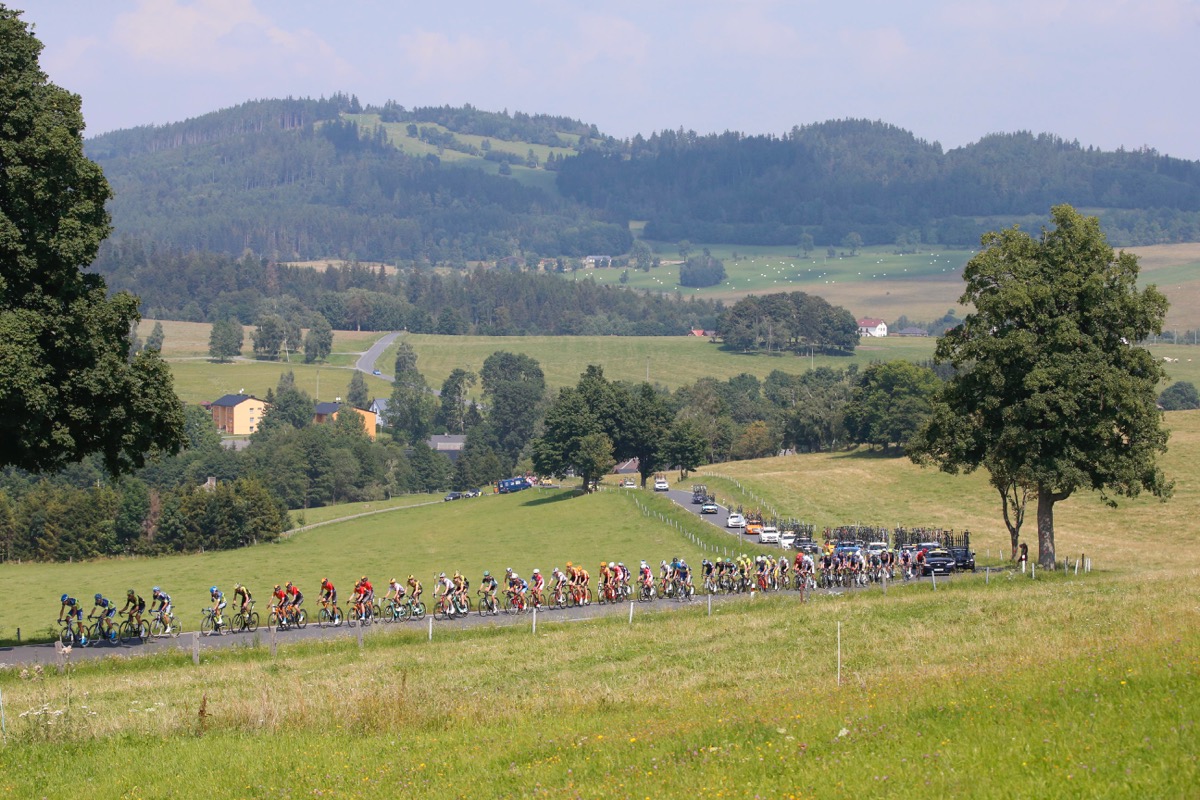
point(431, 629)
point(987, 575)
point(839, 653)
point(196, 648)
point(710, 605)
point(934, 576)
point(535, 620)
point(18, 635)
point(59, 656)
point(1033, 571)
point(360, 637)
point(630, 612)
point(271, 628)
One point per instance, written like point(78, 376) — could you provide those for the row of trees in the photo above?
point(282, 300)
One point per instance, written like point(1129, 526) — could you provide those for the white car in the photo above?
point(629, 483)
point(787, 539)
point(661, 485)
point(735, 521)
point(769, 535)
point(876, 548)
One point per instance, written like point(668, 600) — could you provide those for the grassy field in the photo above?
point(671, 361)
point(541, 528)
point(1072, 686)
point(198, 378)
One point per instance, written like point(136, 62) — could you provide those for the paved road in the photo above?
point(683, 498)
point(366, 362)
point(47, 654)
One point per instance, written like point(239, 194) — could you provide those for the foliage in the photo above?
point(356, 393)
point(67, 385)
point(1051, 389)
point(452, 415)
point(890, 403)
point(1179, 396)
point(831, 179)
point(225, 341)
point(787, 321)
point(318, 342)
point(514, 387)
point(703, 270)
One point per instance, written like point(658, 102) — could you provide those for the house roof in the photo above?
point(326, 408)
point(446, 441)
point(869, 322)
point(232, 400)
point(379, 405)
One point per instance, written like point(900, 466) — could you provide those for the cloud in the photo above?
point(222, 38)
point(437, 58)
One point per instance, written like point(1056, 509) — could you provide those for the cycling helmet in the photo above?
point(411, 578)
point(394, 580)
point(236, 586)
point(63, 598)
point(156, 590)
point(620, 563)
point(213, 589)
point(536, 572)
point(131, 592)
point(324, 580)
point(97, 595)
point(644, 564)
point(442, 575)
point(487, 574)
point(611, 565)
point(289, 583)
point(568, 565)
point(277, 586)
point(662, 564)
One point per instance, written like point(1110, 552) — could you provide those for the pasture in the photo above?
point(1065, 685)
point(670, 361)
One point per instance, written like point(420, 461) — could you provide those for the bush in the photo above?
point(1180, 396)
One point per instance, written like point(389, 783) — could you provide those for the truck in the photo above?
point(509, 485)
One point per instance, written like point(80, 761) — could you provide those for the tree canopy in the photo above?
point(1051, 389)
point(67, 385)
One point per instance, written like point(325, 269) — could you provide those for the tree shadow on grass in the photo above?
point(557, 497)
point(872, 453)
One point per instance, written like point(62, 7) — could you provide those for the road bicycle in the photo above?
point(132, 629)
point(683, 591)
point(410, 609)
point(97, 633)
point(213, 623)
point(487, 603)
point(450, 607)
point(165, 625)
point(284, 618)
point(245, 620)
point(68, 634)
point(646, 592)
point(514, 602)
point(329, 614)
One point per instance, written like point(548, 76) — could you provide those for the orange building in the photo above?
point(327, 412)
point(238, 414)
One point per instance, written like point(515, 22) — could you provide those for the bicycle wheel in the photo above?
point(157, 627)
point(418, 611)
point(273, 621)
point(301, 619)
point(324, 618)
point(252, 621)
point(206, 625)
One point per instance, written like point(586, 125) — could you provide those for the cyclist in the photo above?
point(241, 596)
point(516, 589)
point(560, 583)
point(684, 573)
point(107, 610)
point(781, 569)
point(539, 583)
point(623, 575)
point(606, 579)
point(157, 595)
point(278, 598)
point(414, 588)
point(584, 580)
point(134, 606)
point(356, 596)
point(218, 604)
point(706, 569)
point(368, 593)
point(395, 591)
point(328, 593)
point(295, 598)
point(74, 611)
point(445, 585)
point(488, 586)
point(646, 576)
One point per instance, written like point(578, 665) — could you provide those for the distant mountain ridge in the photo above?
point(303, 178)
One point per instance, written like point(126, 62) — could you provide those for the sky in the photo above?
point(1108, 73)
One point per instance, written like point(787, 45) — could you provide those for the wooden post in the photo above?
point(630, 612)
point(535, 620)
point(987, 575)
point(934, 576)
point(196, 648)
point(271, 628)
point(710, 605)
point(839, 653)
point(431, 629)
point(360, 637)
point(1033, 571)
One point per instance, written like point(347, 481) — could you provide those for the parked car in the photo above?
point(629, 483)
point(710, 508)
point(938, 562)
point(661, 485)
point(376, 372)
point(768, 534)
point(735, 521)
point(454, 496)
point(964, 558)
point(473, 493)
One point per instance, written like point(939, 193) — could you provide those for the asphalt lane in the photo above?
point(366, 362)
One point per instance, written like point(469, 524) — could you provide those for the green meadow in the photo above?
point(996, 685)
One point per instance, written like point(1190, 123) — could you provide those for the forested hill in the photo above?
point(297, 179)
point(880, 181)
point(293, 179)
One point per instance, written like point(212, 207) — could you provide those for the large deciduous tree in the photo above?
point(1051, 389)
point(67, 385)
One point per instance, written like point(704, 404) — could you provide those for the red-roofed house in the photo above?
point(870, 326)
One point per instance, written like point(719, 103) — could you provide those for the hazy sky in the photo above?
point(1105, 72)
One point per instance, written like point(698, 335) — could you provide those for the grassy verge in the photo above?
point(1060, 687)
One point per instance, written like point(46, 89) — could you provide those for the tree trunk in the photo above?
point(1045, 524)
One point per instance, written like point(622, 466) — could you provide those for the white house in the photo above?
point(870, 326)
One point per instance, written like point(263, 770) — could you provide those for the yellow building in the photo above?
point(327, 412)
point(238, 414)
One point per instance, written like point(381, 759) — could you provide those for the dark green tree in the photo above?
point(318, 342)
point(452, 416)
point(155, 340)
point(890, 403)
point(269, 336)
point(1179, 396)
point(67, 385)
point(406, 360)
point(226, 340)
point(1051, 388)
point(356, 393)
point(515, 388)
point(686, 446)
